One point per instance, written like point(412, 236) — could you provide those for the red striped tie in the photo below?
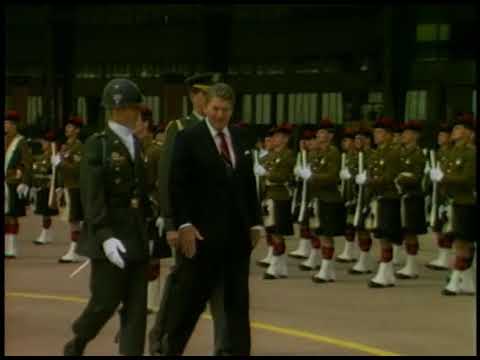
point(224, 148)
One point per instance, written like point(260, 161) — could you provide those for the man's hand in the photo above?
point(361, 178)
point(160, 224)
point(172, 238)
point(187, 240)
point(256, 233)
point(56, 159)
point(33, 194)
point(112, 248)
point(436, 174)
point(345, 174)
point(259, 170)
point(153, 271)
point(22, 191)
point(305, 172)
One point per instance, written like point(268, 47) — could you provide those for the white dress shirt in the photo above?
point(214, 132)
point(126, 135)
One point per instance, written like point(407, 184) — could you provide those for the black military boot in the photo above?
point(74, 347)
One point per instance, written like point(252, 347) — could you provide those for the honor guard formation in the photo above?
point(132, 198)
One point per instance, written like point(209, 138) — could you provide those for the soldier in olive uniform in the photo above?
point(40, 190)
point(197, 88)
point(301, 230)
point(409, 184)
point(277, 170)
point(67, 162)
point(323, 179)
point(264, 151)
point(114, 237)
point(443, 240)
point(364, 263)
point(311, 223)
point(457, 177)
point(348, 191)
point(18, 163)
point(384, 218)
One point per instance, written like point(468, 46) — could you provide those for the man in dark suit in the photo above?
point(218, 219)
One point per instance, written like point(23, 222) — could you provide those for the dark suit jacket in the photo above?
point(220, 201)
point(107, 185)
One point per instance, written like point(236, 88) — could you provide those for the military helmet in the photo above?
point(121, 93)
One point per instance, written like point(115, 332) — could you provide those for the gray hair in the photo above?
point(222, 91)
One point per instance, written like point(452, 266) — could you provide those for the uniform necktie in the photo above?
point(224, 148)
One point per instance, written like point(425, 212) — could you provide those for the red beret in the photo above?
point(49, 136)
point(466, 121)
point(445, 127)
point(349, 132)
point(308, 134)
point(12, 115)
point(284, 128)
point(75, 121)
point(413, 125)
point(146, 113)
point(365, 131)
point(384, 123)
point(326, 124)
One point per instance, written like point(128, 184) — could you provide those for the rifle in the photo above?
point(52, 198)
point(342, 186)
point(359, 207)
point(257, 178)
point(295, 191)
point(434, 209)
point(304, 190)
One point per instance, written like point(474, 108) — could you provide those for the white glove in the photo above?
point(305, 173)
point(22, 191)
point(112, 248)
point(361, 178)
point(33, 193)
point(55, 160)
point(259, 170)
point(436, 174)
point(345, 174)
point(160, 224)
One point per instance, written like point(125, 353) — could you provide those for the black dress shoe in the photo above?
point(262, 264)
point(267, 276)
point(308, 268)
point(321, 281)
point(448, 292)
point(358, 272)
point(405, 277)
point(374, 285)
point(74, 347)
point(340, 260)
point(436, 267)
point(295, 256)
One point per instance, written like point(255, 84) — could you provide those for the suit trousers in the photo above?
point(193, 283)
point(221, 346)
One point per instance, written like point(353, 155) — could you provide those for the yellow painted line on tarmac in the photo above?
point(257, 325)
